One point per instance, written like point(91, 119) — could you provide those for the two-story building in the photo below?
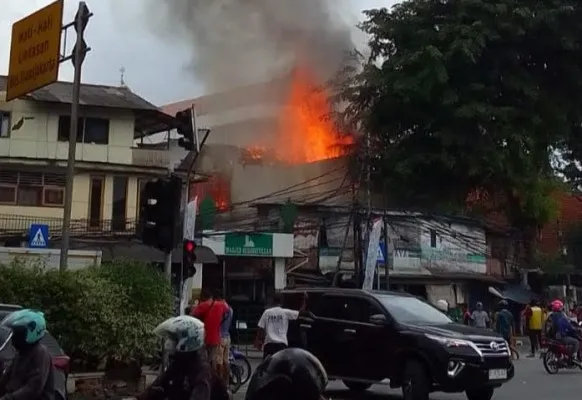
point(111, 165)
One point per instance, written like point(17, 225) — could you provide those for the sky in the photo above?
point(119, 36)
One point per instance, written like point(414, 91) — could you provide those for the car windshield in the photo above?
point(412, 310)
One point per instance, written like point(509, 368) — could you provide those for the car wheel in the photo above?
point(357, 386)
point(485, 393)
point(415, 382)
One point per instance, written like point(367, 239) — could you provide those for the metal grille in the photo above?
point(492, 348)
point(8, 177)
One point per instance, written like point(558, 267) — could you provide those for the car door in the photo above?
point(324, 333)
point(371, 339)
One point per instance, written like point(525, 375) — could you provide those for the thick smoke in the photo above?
point(236, 42)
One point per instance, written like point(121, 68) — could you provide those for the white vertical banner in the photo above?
point(190, 219)
point(372, 254)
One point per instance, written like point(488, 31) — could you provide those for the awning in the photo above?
point(516, 293)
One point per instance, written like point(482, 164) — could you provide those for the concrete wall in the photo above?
point(37, 138)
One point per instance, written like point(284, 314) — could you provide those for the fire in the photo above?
point(306, 133)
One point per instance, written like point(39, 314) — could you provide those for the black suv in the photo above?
point(363, 337)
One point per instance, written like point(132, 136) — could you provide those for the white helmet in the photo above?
point(182, 334)
point(443, 305)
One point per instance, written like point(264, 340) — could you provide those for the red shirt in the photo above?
point(211, 313)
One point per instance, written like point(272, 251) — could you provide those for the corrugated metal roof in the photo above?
point(90, 95)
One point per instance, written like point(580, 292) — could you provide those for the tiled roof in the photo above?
point(149, 118)
point(90, 95)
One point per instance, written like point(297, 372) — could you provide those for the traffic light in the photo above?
point(186, 128)
point(159, 212)
point(188, 259)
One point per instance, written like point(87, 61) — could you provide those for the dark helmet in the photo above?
point(288, 375)
point(503, 304)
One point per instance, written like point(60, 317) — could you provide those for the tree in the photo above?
point(470, 98)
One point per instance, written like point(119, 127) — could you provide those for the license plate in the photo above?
point(497, 374)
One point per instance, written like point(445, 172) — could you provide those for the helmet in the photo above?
point(503, 303)
point(28, 326)
point(289, 374)
point(557, 305)
point(443, 305)
point(479, 305)
point(183, 334)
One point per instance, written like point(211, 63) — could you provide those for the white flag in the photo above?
point(372, 254)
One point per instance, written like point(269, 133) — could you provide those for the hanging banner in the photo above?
point(372, 254)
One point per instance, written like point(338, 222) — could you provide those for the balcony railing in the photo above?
point(150, 157)
point(19, 225)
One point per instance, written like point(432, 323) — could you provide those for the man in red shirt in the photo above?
point(211, 312)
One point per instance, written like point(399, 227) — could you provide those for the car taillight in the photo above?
point(62, 363)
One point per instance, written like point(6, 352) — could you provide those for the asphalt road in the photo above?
point(531, 382)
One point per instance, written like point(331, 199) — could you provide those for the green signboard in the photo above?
point(248, 245)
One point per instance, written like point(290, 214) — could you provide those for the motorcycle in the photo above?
point(556, 356)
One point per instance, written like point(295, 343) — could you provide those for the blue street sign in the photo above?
point(381, 253)
point(38, 235)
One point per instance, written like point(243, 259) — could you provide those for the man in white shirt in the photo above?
point(273, 326)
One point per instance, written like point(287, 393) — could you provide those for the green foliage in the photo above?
point(468, 96)
point(98, 313)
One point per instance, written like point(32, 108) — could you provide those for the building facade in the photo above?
point(112, 164)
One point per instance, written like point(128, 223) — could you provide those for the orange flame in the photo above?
point(306, 132)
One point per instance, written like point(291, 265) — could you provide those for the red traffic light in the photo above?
point(189, 246)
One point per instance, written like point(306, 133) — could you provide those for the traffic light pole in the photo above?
point(168, 266)
point(77, 57)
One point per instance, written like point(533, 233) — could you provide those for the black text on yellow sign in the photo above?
point(35, 51)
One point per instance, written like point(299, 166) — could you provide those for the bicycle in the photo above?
point(243, 364)
point(235, 379)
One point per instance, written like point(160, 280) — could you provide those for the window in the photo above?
point(96, 201)
point(89, 130)
point(433, 238)
point(32, 189)
point(413, 310)
point(96, 131)
point(119, 208)
point(140, 189)
point(5, 127)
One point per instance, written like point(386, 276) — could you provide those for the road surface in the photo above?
point(531, 382)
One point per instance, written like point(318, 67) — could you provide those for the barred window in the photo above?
point(32, 189)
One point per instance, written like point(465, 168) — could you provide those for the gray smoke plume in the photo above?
point(237, 42)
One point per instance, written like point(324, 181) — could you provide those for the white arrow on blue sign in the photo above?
point(381, 252)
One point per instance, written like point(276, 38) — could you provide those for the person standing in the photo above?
point(504, 322)
point(480, 317)
point(273, 326)
point(534, 323)
point(211, 312)
point(224, 351)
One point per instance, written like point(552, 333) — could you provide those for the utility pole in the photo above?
point(77, 57)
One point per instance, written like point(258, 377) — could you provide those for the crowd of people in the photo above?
point(538, 321)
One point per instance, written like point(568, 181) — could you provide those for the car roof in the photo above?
point(9, 307)
point(339, 291)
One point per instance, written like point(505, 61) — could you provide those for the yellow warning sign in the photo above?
point(35, 51)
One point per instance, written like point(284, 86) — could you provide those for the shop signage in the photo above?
point(248, 245)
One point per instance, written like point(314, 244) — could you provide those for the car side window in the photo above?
point(347, 308)
point(330, 307)
point(360, 310)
